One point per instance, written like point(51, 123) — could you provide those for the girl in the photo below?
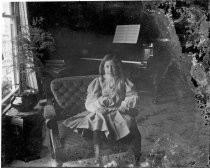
point(110, 102)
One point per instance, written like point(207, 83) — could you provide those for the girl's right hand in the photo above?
point(104, 101)
point(102, 111)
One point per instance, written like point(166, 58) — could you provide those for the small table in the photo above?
point(24, 134)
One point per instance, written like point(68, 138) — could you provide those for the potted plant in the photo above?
point(34, 44)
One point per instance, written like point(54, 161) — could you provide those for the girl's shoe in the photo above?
point(98, 163)
point(137, 158)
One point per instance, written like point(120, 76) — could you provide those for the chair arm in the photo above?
point(49, 112)
point(51, 122)
point(50, 117)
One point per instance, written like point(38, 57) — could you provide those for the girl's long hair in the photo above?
point(116, 61)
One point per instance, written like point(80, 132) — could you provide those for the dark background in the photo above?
point(86, 29)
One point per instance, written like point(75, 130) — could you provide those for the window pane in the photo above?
point(8, 52)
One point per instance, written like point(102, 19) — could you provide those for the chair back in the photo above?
point(70, 93)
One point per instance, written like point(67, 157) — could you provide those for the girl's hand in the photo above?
point(104, 101)
point(123, 107)
point(102, 111)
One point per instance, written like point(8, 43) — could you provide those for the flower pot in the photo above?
point(26, 101)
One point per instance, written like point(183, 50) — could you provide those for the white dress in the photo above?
point(108, 96)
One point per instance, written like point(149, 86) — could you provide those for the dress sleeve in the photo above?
point(131, 95)
point(93, 93)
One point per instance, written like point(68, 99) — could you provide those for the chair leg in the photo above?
point(57, 150)
point(52, 150)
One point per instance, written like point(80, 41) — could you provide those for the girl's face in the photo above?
point(110, 68)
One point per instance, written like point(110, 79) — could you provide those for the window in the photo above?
point(9, 50)
point(15, 22)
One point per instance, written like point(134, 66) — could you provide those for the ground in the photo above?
point(173, 128)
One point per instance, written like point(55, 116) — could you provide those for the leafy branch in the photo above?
point(33, 44)
point(190, 21)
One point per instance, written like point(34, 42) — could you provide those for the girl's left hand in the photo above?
point(104, 101)
point(123, 108)
point(102, 111)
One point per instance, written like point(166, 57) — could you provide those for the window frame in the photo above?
point(13, 23)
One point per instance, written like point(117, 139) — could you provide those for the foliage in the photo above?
point(196, 45)
point(173, 151)
point(41, 40)
point(189, 17)
point(34, 43)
